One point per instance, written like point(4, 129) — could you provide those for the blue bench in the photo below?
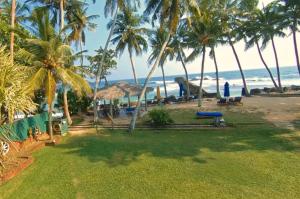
point(217, 116)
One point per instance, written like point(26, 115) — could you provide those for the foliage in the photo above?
point(160, 117)
point(128, 33)
point(13, 88)
point(76, 103)
point(109, 62)
point(52, 59)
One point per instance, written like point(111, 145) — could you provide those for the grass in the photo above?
point(260, 161)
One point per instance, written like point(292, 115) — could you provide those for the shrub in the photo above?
point(160, 117)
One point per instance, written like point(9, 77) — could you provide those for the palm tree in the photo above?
point(177, 45)
point(203, 32)
point(291, 19)
point(157, 39)
point(251, 29)
point(231, 14)
point(128, 33)
point(13, 88)
point(212, 54)
point(169, 14)
point(269, 20)
point(112, 7)
point(12, 34)
point(78, 22)
point(52, 62)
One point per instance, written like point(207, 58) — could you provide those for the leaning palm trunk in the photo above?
point(66, 106)
point(277, 65)
point(12, 34)
point(99, 69)
point(65, 92)
point(217, 74)
point(201, 80)
point(186, 77)
point(164, 80)
point(240, 67)
point(134, 117)
point(265, 64)
point(133, 68)
point(296, 50)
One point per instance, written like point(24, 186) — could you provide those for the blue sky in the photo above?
point(249, 59)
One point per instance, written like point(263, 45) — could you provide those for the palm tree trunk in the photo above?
point(66, 105)
point(134, 117)
point(101, 63)
point(50, 122)
point(81, 57)
point(65, 92)
point(186, 77)
point(277, 65)
point(164, 80)
point(62, 16)
point(265, 64)
point(201, 80)
point(240, 67)
point(296, 50)
point(217, 74)
point(133, 68)
point(12, 34)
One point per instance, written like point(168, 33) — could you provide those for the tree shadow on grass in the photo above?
point(118, 148)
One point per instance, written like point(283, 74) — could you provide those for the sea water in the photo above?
point(255, 78)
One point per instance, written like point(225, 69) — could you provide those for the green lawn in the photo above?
point(257, 161)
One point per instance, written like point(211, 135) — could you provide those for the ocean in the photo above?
point(256, 78)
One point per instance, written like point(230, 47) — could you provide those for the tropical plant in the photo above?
point(112, 7)
point(128, 34)
point(157, 39)
point(169, 14)
point(78, 22)
point(251, 29)
point(231, 14)
point(160, 117)
point(14, 95)
point(290, 13)
point(52, 61)
point(177, 45)
point(269, 29)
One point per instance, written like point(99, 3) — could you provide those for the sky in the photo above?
point(226, 61)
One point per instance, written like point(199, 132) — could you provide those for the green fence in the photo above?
point(18, 131)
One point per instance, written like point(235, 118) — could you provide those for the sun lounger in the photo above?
point(217, 116)
point(130, 110)
point(222, 101)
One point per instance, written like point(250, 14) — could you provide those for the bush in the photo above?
point(160, 117)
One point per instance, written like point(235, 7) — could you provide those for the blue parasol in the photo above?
point(181, 89)
point(226, 90)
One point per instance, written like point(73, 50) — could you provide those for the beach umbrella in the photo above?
point(158, 93)
point(111, 93)
point(181, 89)
point(226, 90)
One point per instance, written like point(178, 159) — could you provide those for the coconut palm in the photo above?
point(291, 19)
point(177, 45)
point(157, 39)
point(78, 22)
point(112, 7)
point(203, 32)
point(12, 34)
point(52, 62)
point(169, 14)
point(128, 34)
point(269, 29)
point(13, 93)
point(251, 30)
point(231, 14)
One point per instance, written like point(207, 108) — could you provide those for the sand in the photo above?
point(281, 111)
